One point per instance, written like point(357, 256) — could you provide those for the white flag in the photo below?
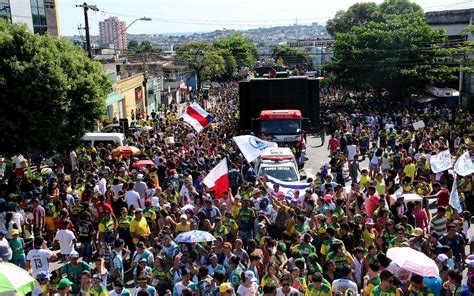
point(441, 161)
point(454, 199)
point(252, 147)
point(463, 165)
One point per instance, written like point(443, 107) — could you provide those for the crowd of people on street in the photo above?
point(111, 225)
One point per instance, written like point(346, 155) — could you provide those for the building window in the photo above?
point(39, 17)
point(5, 12)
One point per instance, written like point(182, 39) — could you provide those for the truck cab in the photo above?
point(284, 127)
point(279, 163)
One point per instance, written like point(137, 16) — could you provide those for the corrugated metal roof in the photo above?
point(455, 6)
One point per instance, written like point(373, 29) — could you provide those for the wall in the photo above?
point(21, 12)
point(128, 88)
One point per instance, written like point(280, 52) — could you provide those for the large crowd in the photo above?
point(115, 223)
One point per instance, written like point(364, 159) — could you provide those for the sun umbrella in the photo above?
point(143, 163)
point(126, 151)
point(414, 261)
point(195, 236)
point(15, 280)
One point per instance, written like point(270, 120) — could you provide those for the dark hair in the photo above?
point(219, 276)
point(119, 283)
point(346, 270)
point(203, 271)
point(455, 275)
point(416, 278)
point(385, 275)
point(317, 277)
point(269, 288)
point(39, 241)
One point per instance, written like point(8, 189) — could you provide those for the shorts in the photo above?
point(372, 166)
point(85, 250)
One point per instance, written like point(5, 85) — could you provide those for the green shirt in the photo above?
point(17, 244)
point(325, 290)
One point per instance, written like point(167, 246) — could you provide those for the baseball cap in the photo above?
point(147, 202)
point(15, 232)
point(74, 254)
point(250, 276)
point(470, 261)
point(43, 275)
point(2, 232)
point(138, 210)
point(400, 195)
point(139, 176)
point(225, 287)
point(183, 216)
point(442, 258)
point(417, 232)
point(369, 221)
point(64, 283)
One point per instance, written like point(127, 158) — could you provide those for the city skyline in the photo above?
point(186, 16)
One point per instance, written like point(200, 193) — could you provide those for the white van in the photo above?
point(103, 138)
point(279, 163)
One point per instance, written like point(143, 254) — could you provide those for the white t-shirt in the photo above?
point(132, 197)
point(342, 285)
point(65, 237)
point(244, 291)
point(115, 189)
point(102, 186)
point(39, 260)
point(293, 291)
point(351, 152)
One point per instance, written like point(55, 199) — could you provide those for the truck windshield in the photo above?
point(283, 173)
point(280, 127)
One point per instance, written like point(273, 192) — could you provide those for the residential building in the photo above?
point(113, 31)
point(128, 98)
point(40, 16)
point(320, 49)
point(454, 19)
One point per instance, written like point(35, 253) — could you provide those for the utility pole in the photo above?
point(86, 20)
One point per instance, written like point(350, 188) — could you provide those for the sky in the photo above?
point(179, 16)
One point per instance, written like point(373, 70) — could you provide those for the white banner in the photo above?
point(419, 124)
point(441, 162)
point(463, 165)
point(251, 146)
point(288, 188)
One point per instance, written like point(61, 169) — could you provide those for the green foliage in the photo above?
point(202, 58)
point(242, 49)
point(398, 52)
point(360, 14)
point(133, 45)
point(52, 93)
point(291, 57)
point(230, 63)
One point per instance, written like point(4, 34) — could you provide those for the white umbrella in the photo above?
point(414, 261)
point(194, 236)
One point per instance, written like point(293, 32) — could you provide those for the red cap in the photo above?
point(327, 197)
point(147, 202)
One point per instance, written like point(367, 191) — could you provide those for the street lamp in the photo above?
point(147, 19)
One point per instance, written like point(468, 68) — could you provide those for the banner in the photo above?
point(288, 188)
point(441, 161)
point(463, 165)
point(251, 146)
point(454, 199)
point(419, 124)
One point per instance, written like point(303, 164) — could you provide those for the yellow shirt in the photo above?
point(369, 237)
point(183, 228)
point(409, 171)
point(139, 227)
point(364, 180)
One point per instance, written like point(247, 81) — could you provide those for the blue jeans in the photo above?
point(20, 262)
point(86, 250)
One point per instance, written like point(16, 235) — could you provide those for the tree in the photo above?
point(242, 49)
point(291, 57)
point(230, 64)
point(52, 93)
point(401, 54)
point(133, 45)
point(361, 14)
point(358, 14)
point(202, 58)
